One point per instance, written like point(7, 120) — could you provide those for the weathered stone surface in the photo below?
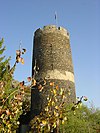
point(52, 54)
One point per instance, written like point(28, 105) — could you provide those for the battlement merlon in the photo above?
point(52, 28)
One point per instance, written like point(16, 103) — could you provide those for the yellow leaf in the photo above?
point(46, 109)
point(54, 91)
point(61, 91)
point(48, 127)
point(56, 114)
point(18, 59)
point(22, 60)
point(63, 121)
point(69, 92)
point(33, 82)
point(53, 103)
point(44, 122)
point(56, 107)
point(56, 99)
point(54, 125)
point(61, 115)
point(65, 118)
point(63, 96)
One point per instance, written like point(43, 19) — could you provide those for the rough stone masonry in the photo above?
point(52, 54)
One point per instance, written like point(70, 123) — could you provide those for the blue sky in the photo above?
point(20, 18)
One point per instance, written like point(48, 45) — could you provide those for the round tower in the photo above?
point(52, 55)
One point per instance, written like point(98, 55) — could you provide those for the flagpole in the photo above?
point(56, 19)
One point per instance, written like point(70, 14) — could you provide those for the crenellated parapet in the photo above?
point(52, 29)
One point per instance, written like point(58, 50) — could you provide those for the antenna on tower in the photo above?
point(56, 19)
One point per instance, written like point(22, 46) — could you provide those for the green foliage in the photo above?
point(11, 97)
point(4, 64)
point(82, 120)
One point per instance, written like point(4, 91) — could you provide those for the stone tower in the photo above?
point(52, 54)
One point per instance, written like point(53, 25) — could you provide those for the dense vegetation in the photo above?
point(12, 95)
point(56, 117)
point(82, 120)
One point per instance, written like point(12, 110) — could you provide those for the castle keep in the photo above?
point(52, 54)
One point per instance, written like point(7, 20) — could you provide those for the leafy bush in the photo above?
point(82, 120)
point(11, 95)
